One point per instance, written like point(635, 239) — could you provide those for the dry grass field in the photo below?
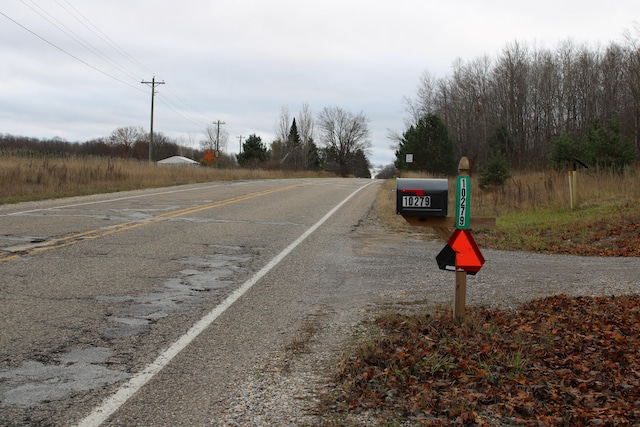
point(25, 178)
point(546, 190)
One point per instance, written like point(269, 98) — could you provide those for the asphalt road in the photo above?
point(154, 307)
point(97, 289)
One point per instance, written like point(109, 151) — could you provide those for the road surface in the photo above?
point(96, 289)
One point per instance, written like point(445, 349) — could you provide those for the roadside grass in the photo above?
point(26, 178)
point(557, 361)
point(533, 214)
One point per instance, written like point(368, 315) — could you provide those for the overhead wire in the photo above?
point(75, 36)
point(84, 21)
point(175, 110)
point(165, 99)
point(170, 98)
point(190, 109)
point(68, 53)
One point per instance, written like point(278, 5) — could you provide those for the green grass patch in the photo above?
point(608, 228)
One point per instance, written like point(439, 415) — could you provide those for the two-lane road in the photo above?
point(101, 294)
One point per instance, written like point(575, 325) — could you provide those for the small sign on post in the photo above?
point(463, 216)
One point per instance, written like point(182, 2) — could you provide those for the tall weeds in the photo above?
point(549, 190)
point(533, 191)
point(40, 177)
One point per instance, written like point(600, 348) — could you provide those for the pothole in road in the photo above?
point(34, 383)
point(206, 276)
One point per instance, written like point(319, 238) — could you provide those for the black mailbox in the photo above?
point(422, 197)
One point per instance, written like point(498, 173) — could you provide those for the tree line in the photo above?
point(531, 106)
point(344, 139)
point(343, 135)
point(125, 142)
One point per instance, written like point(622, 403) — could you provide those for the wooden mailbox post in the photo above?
point(455, 231)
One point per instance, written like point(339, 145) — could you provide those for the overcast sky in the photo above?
point(73, 69)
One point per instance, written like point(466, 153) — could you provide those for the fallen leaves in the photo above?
point(554, 362)
point(606, 237)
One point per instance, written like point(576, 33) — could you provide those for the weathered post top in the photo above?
point(463, 166)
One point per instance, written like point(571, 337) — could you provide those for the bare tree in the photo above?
point(305, 125)
point(283, 124)
point(124, 139)
point(426, 101)
point(305, 129)
point(632, 73)
point(216, 139)
point(532, 95)
point(343, 134)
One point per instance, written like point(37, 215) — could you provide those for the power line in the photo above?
point(166, 99)
point(189, 105)
point(102, 36)
point(68, 53)
point(169, 105)
point(50, 18)
point(76, 14)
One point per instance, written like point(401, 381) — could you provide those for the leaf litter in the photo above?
point(557, 361)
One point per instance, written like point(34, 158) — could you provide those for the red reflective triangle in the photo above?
point(468, 255)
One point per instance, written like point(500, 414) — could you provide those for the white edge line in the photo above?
point(110, 405)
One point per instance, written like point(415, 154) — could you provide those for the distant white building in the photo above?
point(178, 161)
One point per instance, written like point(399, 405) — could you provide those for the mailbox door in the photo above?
point(422, 197)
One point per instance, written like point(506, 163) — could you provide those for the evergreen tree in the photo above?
point(361, 165)
point(501, 142)
point(602, 146)
point(565, 149)
point(495, 173)
point(253, 152)
point(295, 157)
point(607, 147)
point(313, 156)
point(430, 145)
point(294, 137)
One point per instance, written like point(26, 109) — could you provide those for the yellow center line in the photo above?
point(60, 242)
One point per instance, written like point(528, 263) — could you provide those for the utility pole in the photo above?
point(153, 83)
point(218, 123)
point(240, 139)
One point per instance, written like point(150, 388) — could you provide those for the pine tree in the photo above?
point(430, 145)
point(253, 152)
